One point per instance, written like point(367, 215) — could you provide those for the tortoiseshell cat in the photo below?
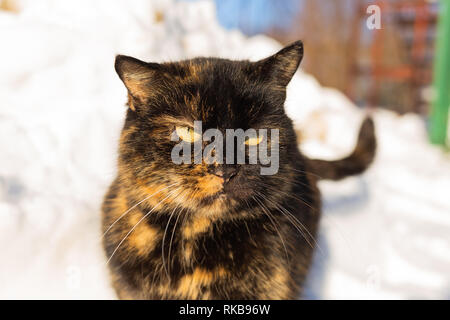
point(208, 231)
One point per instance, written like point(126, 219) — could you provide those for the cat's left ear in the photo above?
point(139, 77)
point(281, 67)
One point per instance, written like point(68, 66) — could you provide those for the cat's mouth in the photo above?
point(238, 194)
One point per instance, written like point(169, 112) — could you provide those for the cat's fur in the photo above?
point(213, 231)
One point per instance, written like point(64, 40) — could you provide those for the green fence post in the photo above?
point(441, 79)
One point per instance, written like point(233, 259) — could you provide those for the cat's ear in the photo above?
point(138, 76)
point(281, 67)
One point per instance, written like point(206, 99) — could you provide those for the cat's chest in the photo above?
point(203, 243)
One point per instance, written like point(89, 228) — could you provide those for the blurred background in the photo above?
point(390, 67)
point(384, 234)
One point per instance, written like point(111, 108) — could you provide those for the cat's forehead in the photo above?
point(213, 74)
point(217, 91)
point(203, 66)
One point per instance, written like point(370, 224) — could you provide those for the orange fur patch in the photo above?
point(187, 252)
point(198, 225)
point(208, 185)
point(277, 286)
point(190, 284)
point(130, 103)
point(159, 195)
point(144, 237)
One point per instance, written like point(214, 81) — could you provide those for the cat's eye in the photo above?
point(254, 141)
point(187, 134)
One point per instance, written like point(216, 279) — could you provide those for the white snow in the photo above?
point(385, 234)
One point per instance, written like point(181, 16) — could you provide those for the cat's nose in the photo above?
point(227, 173)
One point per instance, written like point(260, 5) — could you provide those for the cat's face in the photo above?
point(165, 102)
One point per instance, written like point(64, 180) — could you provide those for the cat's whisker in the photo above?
point(308, 172)
point(289, 218)
point(293, 197)
point(134, 206)
point(267, 213)
point(134, 227)
point(171, 240)
point(183, 222)
point(172, 236)
point(304, 202)
point(300, 226)
point(163, 240)
point(297, 224)
point(291, 182)
point(246, 225)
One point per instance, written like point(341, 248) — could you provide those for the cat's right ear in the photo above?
point(138, 76)
point(279, 68)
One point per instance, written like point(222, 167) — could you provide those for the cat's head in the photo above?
point(165, 102)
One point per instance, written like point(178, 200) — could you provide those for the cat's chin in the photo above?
point(227, 196)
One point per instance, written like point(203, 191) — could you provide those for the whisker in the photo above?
point(298, 224)
point(293, 182)
point(171, 240)
point(272, 221)
point(307, 172)
point(134, 227)
point(292, 196)
point(292, 215)
point(134, 206)
point(163, 240)
point(183, 240)
point(246, 225)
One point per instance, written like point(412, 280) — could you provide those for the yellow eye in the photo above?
point(187, 134)
point(254, 141)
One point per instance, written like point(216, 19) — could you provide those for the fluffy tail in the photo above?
point(358, 161)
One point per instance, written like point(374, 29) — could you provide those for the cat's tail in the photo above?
point(358, 161)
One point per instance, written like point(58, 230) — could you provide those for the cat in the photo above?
point(217, 230)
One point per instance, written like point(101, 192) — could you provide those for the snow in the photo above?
point(385, 234)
